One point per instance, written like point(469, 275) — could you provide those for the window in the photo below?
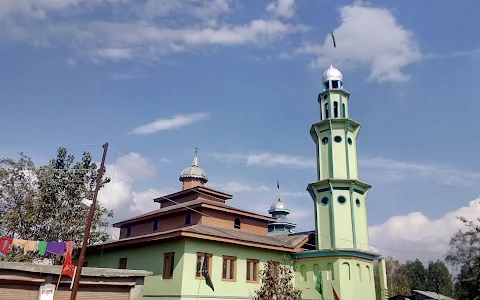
point(155, 225)
point(188, 219)
point(349, 141)
point(337, 139)
point(229, 268)
point(326, 111)
point(129, 231)
point(252, 271)
point(168, 265)
point(303, 272)
point(324, 200)
point(325, 140)
point(335, 109)
point(325, 96)
point(236, 223)
point(344, 111)
point(342, 200)
point(122, 263)
point(334, 84)
point(200, 259)
point(357, 202)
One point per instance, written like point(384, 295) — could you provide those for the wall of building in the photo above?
point(226, 220)
point(239, 287)
point(151, 258)
point(350, 278)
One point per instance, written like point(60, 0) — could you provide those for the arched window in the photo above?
point(188, 219)
point(330, 272)
point(316, 272)
point(303, 272)
point(344, 111)
point(335, 109)
point(155, 225)
point(346, 271)
point(359, 272)
point(326, 111)
point(236, 223)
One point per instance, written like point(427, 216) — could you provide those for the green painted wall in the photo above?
point(224, 288)
point(148, 257)
point(351, 278)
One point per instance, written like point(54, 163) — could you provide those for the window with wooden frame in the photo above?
point(252, 270)
point(198, 269)
point(122, 263)
point(229, 268)
point(168, 265)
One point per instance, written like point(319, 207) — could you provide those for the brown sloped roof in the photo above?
point(234, 236)
point(192, 204)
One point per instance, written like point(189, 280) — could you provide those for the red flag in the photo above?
point(68, 268)
point(335, 296)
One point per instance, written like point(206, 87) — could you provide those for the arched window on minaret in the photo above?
point(335, 109)
point(344, 112)
point(326, 111)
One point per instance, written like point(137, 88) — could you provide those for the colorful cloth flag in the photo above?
point(5, 244)
point(335, 296)
point(42, 247)
point(205, 274)
point(334, 43)
point(68, 268)
point(319, 285)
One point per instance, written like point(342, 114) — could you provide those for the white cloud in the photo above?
point(237, 187)
point(378, 168)
point(282, 8)
point(416, 236)
point(143, 31)
point(120, 194)
point(169, 124)
point(369, 37)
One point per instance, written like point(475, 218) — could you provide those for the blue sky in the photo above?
point(239, 80)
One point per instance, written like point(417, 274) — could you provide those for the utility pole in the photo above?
point(91, 213)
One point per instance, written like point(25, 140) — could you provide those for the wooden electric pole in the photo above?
point(91, 213)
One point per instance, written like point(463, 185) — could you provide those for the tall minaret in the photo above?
point(338, 195)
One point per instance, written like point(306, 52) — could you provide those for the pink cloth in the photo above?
point(69, 245)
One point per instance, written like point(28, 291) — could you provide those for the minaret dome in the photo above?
point(193, 175)
point(332, 79)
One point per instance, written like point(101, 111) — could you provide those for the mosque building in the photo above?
point(197, 223)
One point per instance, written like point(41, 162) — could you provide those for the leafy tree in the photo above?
point(417, 274)
point(439, 278)
point(277, 283)
point(397, 279)
point(43, 203)
point(464, 255)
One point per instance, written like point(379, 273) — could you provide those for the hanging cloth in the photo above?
point(69, 247)
point(57, 248)
point(30, 246)
point(5, 244)
point(42, 247)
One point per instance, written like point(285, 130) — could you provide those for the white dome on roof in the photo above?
point(332, 74)
point(194, 171)
point(278, 206)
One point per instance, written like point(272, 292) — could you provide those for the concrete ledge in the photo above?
point(86, 271)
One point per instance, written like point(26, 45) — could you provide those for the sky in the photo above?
point(239, 80)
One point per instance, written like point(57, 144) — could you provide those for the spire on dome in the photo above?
point(194, 175)
point(195, 159)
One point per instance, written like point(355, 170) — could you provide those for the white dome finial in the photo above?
point(332, 74)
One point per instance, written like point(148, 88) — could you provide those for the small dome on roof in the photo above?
point(194, 171)
point(278, 206)
point(332, 74)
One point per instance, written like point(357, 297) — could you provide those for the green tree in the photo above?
point(397, 279)
point(464, 255)
point(277, 283)
point(438, 273)
point(417, 274)
point(43, 203)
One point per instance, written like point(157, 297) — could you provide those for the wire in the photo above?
point(200, 192)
